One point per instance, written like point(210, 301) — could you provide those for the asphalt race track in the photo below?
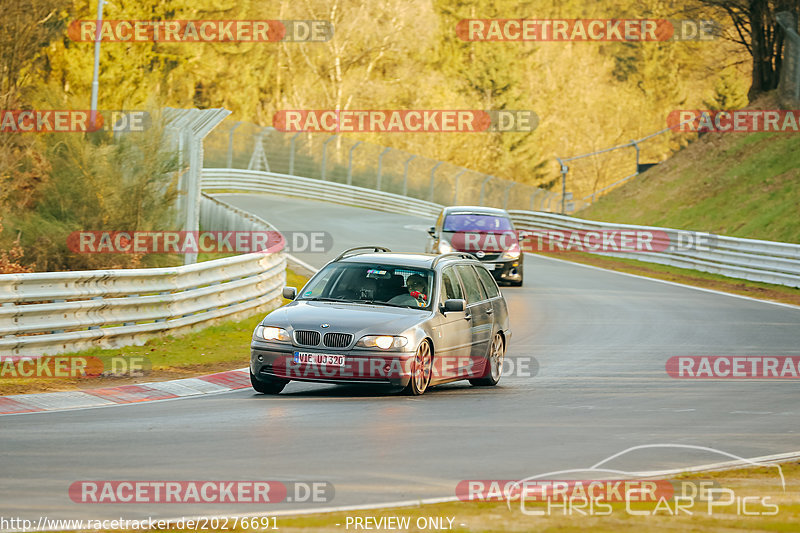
point(600, 339)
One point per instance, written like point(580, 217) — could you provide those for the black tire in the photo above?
point(268, 386)
point(421, 370)
point(494, 363)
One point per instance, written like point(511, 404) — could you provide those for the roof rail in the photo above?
point(460, 255)
point(373, 248)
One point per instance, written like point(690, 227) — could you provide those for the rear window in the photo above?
point(475, 222)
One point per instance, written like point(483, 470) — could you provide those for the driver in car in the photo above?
point(416, 292)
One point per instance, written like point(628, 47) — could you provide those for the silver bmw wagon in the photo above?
point(370, 316)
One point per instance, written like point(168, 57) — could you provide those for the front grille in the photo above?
point(490, 257)
point(306, 337)
point(337, 340)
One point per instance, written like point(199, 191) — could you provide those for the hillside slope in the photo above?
point(737, 184)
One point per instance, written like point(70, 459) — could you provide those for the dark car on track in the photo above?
point(370, 316)
point(485, 232)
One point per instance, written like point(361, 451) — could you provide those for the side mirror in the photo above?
point(522, 234)
point(432, 231)
point(290, 293)
point(456, 305)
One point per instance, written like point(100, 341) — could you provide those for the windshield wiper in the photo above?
point(375, 302)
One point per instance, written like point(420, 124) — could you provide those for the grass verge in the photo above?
point(736, 184)
point(760, 485)
point(225, 346)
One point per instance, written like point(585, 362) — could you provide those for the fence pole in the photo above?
point(291, 152)
point(535, 195)
point(505, 198)
point(325, 155)
point(455, 186)
point(230, 144)
point(483, 185)
point(405, 175)
point(433, 171)
point(380, 167)
point(350, 164)
point(564, 170)
point(636, 147)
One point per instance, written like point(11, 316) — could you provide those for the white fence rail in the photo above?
point(56, 312)
point(755, 260)
point(221, 179)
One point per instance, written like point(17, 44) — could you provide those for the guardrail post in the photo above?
point(636, 147)
point(325, 155)
point(564, 170)
point(483, 185)
point(291, 153)
point(230, 144)
point(433, 171)
point(405, 175)
point(380, 168)
point(455, 186)
point(350, 164)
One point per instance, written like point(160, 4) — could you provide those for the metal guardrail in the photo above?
point(56, 312)
point(220, 179)
point(755, 260)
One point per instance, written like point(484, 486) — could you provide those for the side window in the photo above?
point(450, 286)
point(489, 284)
point(472, 285)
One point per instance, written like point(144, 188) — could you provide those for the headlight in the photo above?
point(511, 253)
point(444, 247)
point(269, 333)
point(384, 342)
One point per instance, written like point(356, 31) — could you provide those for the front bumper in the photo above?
point(276, 361)
point(506, 270)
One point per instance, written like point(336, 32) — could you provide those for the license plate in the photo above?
point(489, 266)
point(326, 359)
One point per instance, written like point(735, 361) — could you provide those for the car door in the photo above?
point(493, 293)
point(452, 334)
point(480, 311)
point(433, 239)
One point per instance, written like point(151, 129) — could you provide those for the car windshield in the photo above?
point(476, 222)
point(372, 283)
